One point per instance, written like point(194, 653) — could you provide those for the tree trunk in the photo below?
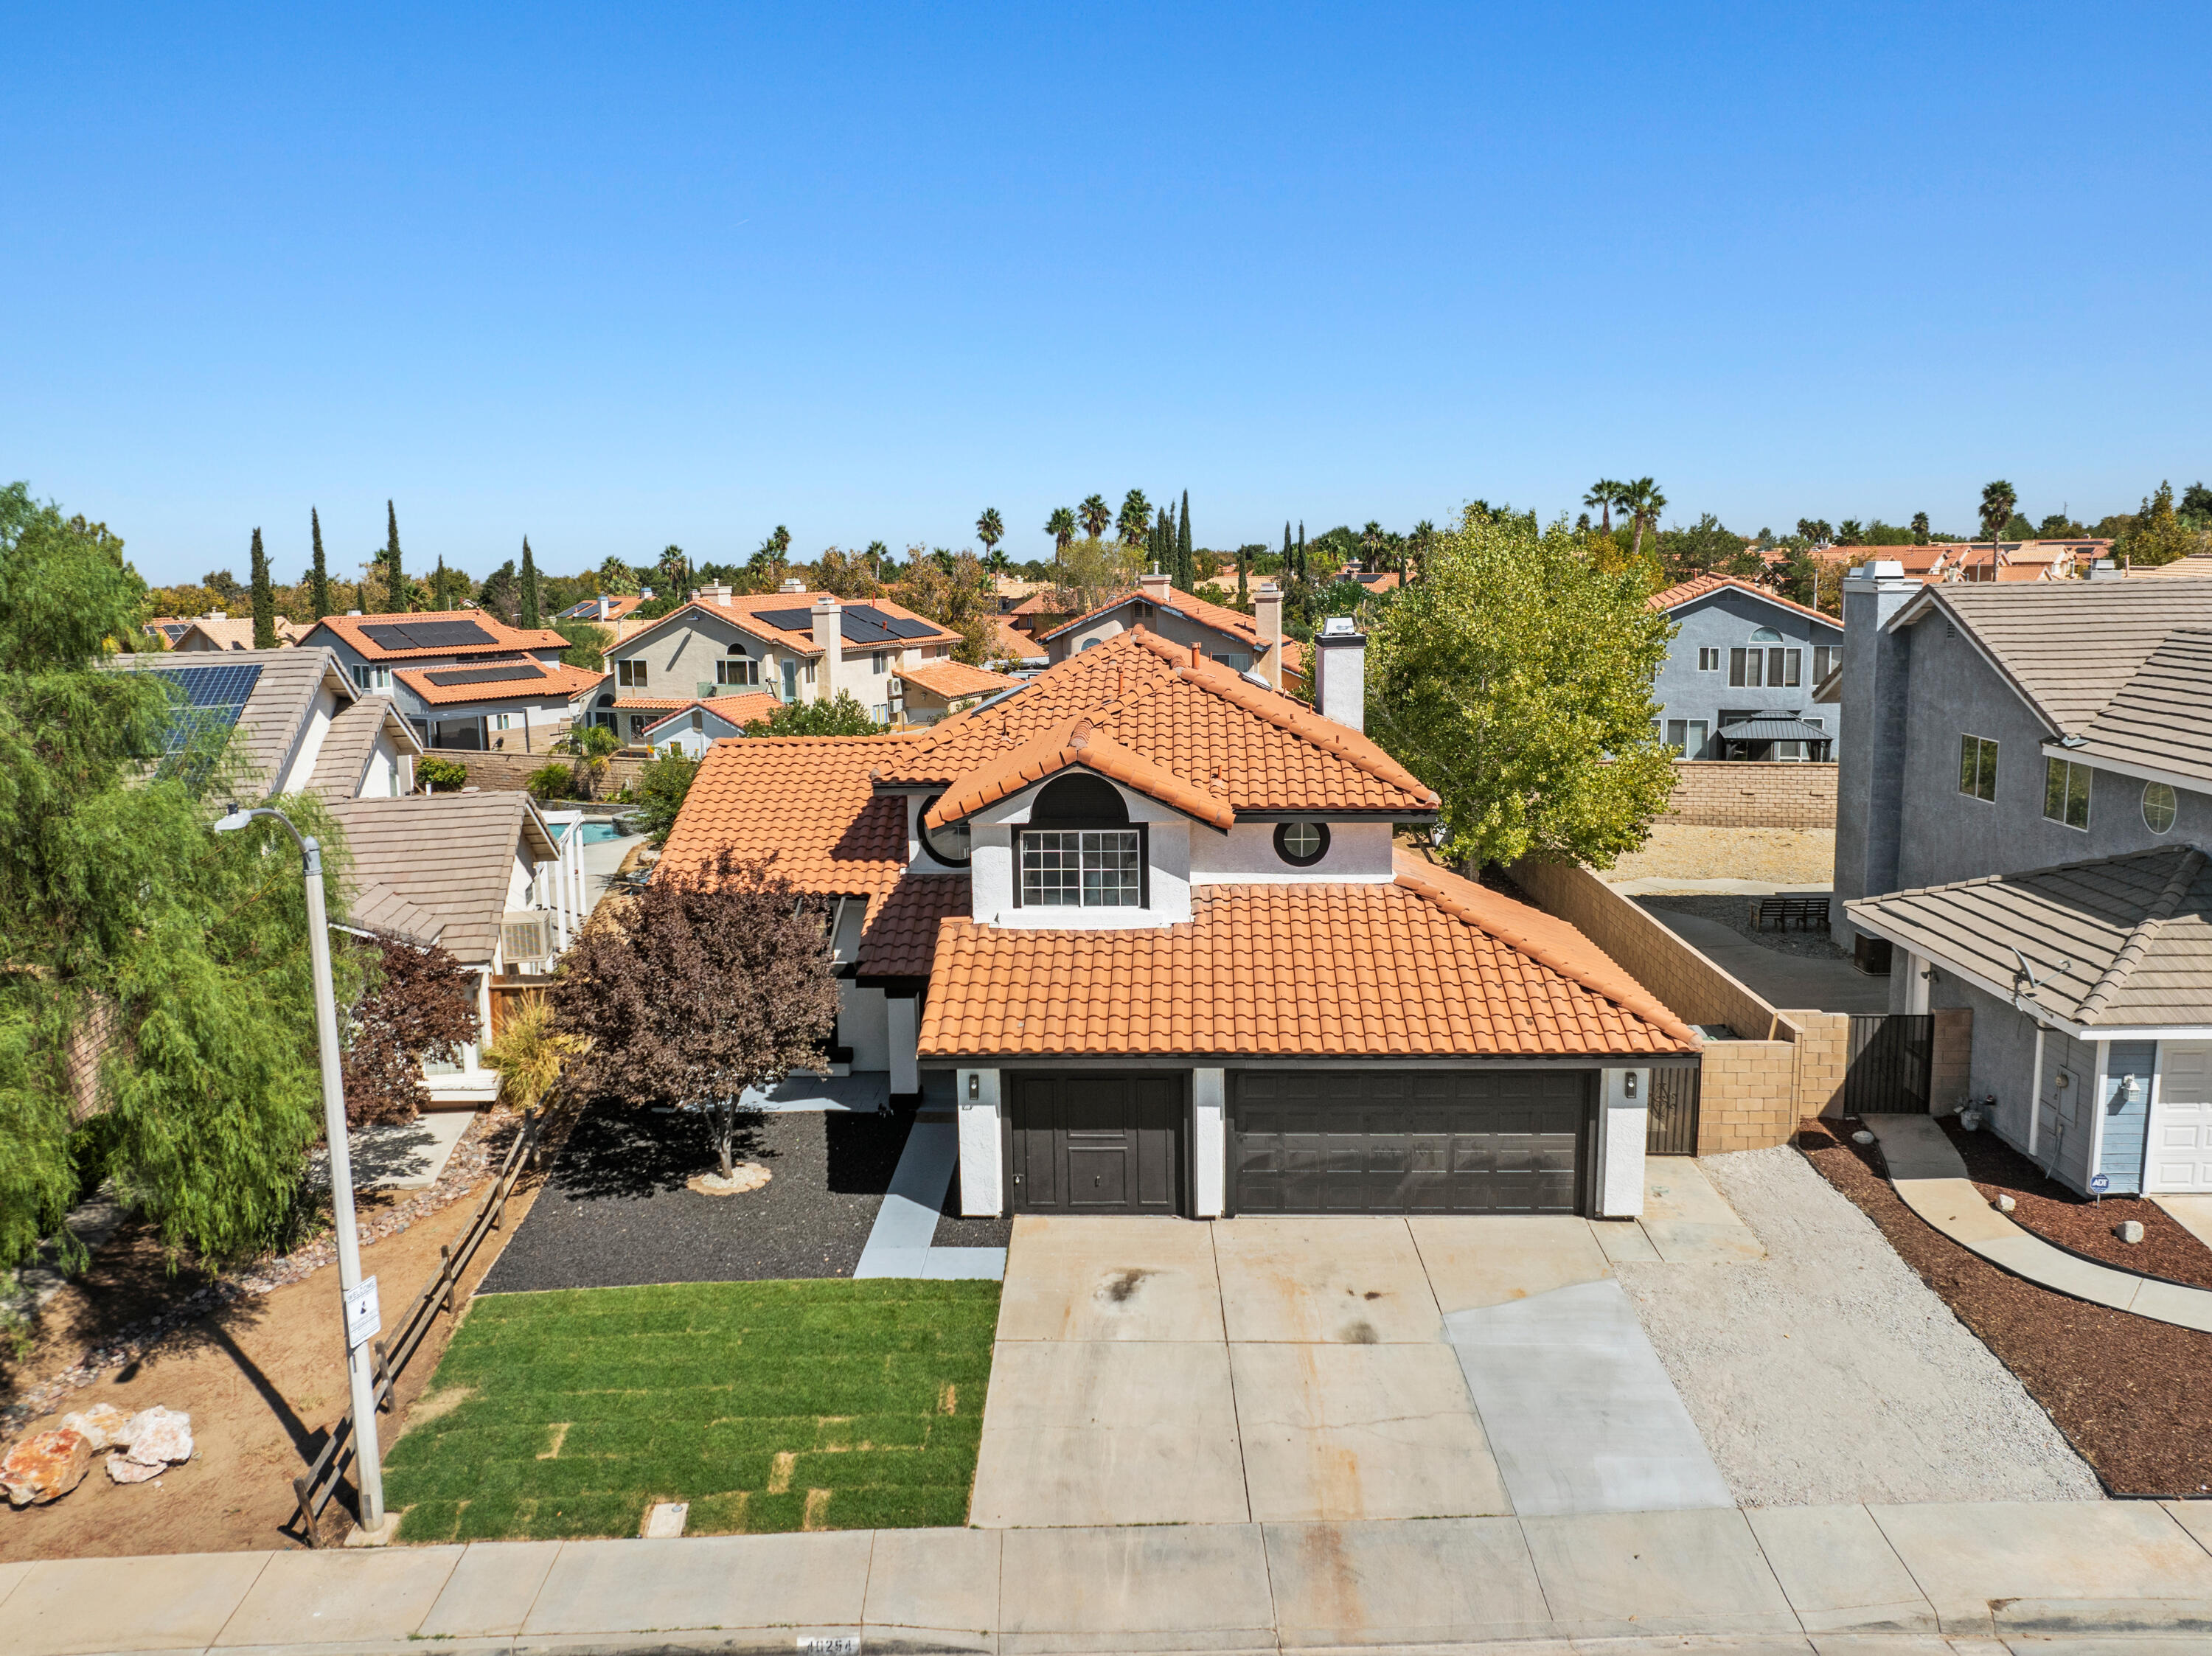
point(726, 1132)
point(1638, 552)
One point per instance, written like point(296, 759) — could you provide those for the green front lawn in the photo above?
point(823, 1404)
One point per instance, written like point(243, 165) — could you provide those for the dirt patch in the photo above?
point(263, 1377)
point(1784, 856)
point(2057, 1215)
point(2128, 1392)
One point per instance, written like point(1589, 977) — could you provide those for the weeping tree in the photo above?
point(153, 973)
point(706, 983)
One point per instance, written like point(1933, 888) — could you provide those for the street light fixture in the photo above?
point(359, 1379)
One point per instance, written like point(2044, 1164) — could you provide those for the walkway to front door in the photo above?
point(1154, 1370)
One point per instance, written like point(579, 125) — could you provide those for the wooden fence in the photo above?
point(313, 1488)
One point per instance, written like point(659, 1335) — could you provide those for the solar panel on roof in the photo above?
point(485, 675)
point(206, 702)
point(427, 635)
point(902, 627)
point(791, 620)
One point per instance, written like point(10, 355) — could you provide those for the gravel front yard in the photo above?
point(1829, 1373)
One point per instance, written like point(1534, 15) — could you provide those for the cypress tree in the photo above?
point(318, 574)
point(529, 587)
point(1289, 568)
point(1242, 600)
point(264, 598)
point(438, 582)
point(395, 578)
point(1302, 551)
point(1185, 558)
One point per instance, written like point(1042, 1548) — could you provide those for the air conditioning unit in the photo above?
point(526, 937)
point(707, 690)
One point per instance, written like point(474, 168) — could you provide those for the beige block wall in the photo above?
point(1754, 1090)
point(508, 772)
point(1718, 794)
point(1950, 1066)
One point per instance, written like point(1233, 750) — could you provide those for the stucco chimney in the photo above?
point(712, 592)
point(1340, 671)
point(1155, 585)
point(829, 639)
point(793, 585)
point(1268, 611)
point(2105, 569)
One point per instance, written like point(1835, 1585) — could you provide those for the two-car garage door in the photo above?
point(1364, 1141)
point(1434, 1141)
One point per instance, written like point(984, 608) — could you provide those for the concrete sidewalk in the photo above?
point(1813, 1579)
point(1777, 978)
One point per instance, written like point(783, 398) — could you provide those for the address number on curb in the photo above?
point(846, 1646)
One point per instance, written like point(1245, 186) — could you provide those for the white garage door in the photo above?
point(2181, 1134)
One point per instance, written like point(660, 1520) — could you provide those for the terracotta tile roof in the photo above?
point(234, 633)
point(1214, 729)
point(949, 679)
point(1012, 644)
point(618, 608)
point(901, 940)
point(743, 610)
point(560, 679)
point(738, 710)
point(504, 640)
point(1222, 619)
point(1428, 965)
point(1698, 586)
point(806, 799)
point(1077, 743)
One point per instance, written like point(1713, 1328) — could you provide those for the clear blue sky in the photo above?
point(622, 277)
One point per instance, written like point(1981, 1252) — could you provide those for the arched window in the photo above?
point(950, 844)
point(1766, 635)
point(1079, 850)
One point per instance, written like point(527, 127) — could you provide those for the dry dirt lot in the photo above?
point(1784, 856)
point(262, 1379)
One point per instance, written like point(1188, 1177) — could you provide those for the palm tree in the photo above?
point(1643, 501)
point(1920, 529)
point(1135, 521)
point(1371, 546)
point(1422, 539)
point(990, 529)
point(1061, 527)
point(1094, 515)
point(1999, 501)
point(1605, 494)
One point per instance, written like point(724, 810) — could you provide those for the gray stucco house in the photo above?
point(1738, 680)
point(2024, 796)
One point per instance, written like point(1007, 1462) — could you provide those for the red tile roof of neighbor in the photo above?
point(1218, 616)
point(1218, 734)
point(739, 710)
point(955, 678)
point(808, 801)
point(1698, 586)
point(1427, 965)
point(559, 680)
point(505, 640)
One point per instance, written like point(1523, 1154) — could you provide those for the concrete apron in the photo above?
point(1930, 1177)
point(2055, 1578)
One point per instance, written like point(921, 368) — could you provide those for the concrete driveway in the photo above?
point(1153, 1370)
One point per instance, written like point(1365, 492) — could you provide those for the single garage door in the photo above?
point(1095, 1144)
point(1438, 1141)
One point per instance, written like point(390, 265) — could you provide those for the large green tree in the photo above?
point(396, 583)
point(1644, 502)
point(1094, 515)
point(265, 596)
point(2158, 535)
point(156, 974)
point(1515, 680)
point(1136, 519)
point(526, 611)
point(1186, 555)
point(1061, 527)
point(1998, 500)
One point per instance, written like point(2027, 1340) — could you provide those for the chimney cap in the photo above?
point(1339, 625)
point(1267, 589)
point(1886, 569)
point(792, 584)
point(827, 601)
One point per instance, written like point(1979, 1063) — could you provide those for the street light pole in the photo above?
point(361, 1381)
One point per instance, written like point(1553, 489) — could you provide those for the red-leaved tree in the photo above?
point(420, 1006)
point(703, 985)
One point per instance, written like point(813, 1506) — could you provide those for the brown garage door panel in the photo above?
point(1424, 1141)
point(1096, 1144)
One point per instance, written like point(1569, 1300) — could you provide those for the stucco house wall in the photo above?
point(1723, 621)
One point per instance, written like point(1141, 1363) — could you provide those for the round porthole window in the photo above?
point(1302, 844)
point(2158, 807)
point(947, 845)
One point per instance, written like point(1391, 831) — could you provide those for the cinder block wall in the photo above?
point(1753, 1090)
point(1718, 794)
point(1950, 1067)
point(1824, 1050)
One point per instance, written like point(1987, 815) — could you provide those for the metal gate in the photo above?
point(1671, 1128)
point(1888, 1071)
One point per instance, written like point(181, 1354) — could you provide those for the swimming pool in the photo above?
point(597, 833)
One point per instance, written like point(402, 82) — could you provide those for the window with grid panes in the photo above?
point(1082, 868)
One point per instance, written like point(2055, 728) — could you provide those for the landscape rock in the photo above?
point(1861, 1136)
point(2005, 1204)
point(46, 1466)
point(158, 1435)
point(2129, 1230)
point(104, 1425)
point(124, 1469)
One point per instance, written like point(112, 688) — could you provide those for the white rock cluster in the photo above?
point(48, 1464)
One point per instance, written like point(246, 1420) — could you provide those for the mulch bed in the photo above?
point(2056, 1213)
point(2128, 1392)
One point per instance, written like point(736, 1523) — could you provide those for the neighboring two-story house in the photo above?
point(463, 678)
point(1737, 683)
point(1241, 643)
point(794, 644)
point(2025, 792)
point(1149, 919)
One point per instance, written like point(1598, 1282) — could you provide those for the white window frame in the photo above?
point(633, 675)
point(1129, 841)
point(737, 670)
point(1708, 658)
point(2073, 781)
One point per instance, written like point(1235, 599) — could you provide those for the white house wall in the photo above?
point(1246, 855)
point(309, 747)
point(864, 1025)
